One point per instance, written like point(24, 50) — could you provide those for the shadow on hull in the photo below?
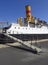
point(23, 37)
point(29, 37)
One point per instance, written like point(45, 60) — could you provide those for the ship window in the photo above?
point(15, 27)
point(8, 32)
point(18, 27)
point(13, 32)
point(26, 28)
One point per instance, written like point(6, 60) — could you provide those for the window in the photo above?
point(8, 32)
point(18, 27)
point(15, 27)
point(26, 28)
point(13, 32)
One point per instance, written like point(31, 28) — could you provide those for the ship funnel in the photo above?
point(28, 12)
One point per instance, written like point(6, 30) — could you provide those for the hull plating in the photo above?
point(26, 37)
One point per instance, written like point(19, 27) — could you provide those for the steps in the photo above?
point(34, 48)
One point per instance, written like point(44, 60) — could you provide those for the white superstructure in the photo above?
point(17, 29)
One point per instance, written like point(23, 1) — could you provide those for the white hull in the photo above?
point(17, 29)
point(27, 32)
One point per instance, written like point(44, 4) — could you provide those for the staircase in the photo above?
point(34, 48)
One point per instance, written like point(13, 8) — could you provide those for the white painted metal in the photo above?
point(17, 29)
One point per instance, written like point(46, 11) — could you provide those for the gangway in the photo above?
point(34, 48)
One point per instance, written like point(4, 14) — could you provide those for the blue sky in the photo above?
point(10, 10)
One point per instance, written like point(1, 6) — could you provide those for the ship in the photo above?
point(31, 28)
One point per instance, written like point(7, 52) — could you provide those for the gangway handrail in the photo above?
point(24, 43)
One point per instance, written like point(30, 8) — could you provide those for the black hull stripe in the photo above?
point(30, 36)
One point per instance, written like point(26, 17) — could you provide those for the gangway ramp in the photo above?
point(34, 48)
